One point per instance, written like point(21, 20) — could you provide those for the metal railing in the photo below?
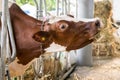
point(8, 50)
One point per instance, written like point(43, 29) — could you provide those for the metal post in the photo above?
point(85, 11)
point(57, 7)
point(12, 55)
point(0, 18)
point(65, 2)
point(3, 38)
point(116, 10)
point(85, 54)
point(62, 7)
point(68, 6)
point(0, 5)
point(76, 7)
point(40, 9)
point(36, 8)
point(45, 7)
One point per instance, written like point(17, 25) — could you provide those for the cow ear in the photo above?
point(42, 36)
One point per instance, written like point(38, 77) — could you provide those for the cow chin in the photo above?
point(86, 43)
point(79, 45)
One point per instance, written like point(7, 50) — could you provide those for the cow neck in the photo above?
point(24, 27)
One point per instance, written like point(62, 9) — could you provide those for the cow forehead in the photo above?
point(68, 18)
point(58, 18)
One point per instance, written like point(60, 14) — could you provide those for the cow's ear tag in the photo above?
point(41, 36)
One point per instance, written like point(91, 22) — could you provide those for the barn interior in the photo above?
point(99, 60)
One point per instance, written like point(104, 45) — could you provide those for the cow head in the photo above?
point(70, 34)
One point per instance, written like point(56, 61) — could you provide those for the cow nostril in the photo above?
point(97, 23)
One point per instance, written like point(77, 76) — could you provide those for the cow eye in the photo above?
point(63, 26)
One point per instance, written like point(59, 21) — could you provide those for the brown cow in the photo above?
point(66, 35)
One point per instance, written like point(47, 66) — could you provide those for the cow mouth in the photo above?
point(91, 38)
point(87, 42)
point(94, 36)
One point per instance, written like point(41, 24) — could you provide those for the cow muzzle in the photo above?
point(98, 23)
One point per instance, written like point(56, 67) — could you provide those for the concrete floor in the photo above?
point(103, 69)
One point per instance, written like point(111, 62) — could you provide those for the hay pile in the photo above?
point(51, 69)
point(52, 66)
point(105, 40)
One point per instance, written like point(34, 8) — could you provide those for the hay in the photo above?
point(104, 44)
point(52, 68)
point(29, 74)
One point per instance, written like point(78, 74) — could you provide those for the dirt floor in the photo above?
point(103, 69)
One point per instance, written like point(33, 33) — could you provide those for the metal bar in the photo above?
point(36, 8)
point(39, 12)
point(0, 5)
point(12, 40)
point(38, 68)
point(65, 1)
point(62, 7)
point(68, 72)
point(7, 74)
point(57, 7)
point(3, 38)
point(45, 7)
point(8, 50)
point(0, 13)
point(40, 9)
point(76, 7)
point(37, 65)
point(68, 7)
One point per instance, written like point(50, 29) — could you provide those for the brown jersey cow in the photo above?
point(65, 34)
